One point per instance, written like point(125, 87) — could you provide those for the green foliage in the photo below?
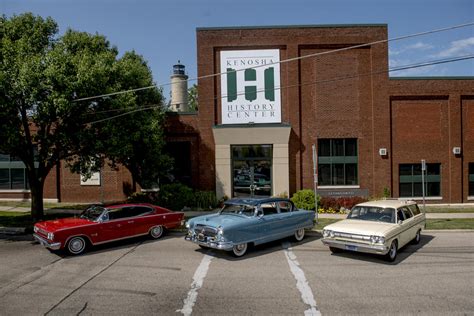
point(386, 192)
point(304, 199)
point(42, 78)
point(175, 196)
point(193, 98)
point(205, 200)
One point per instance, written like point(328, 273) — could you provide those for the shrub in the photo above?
point(304, 199)
point(175, 196)
point(337, 205)
point(204, 200)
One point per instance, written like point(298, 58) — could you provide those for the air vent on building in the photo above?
point(383, 151)
point(457, 150)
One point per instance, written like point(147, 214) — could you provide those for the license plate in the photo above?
point(350, 247)
point(201, 237)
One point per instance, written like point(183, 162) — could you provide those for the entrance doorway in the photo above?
point(252, 170)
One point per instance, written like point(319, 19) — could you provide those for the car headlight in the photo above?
point(327, 233)
point(187, 225)
point(50, 236)
point(220, 233)
point(377, 239)
point(35, 229)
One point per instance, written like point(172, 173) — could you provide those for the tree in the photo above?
point(42, 77)
point(193, 98)
point(139, 148)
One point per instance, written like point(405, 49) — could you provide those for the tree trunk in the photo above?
point(37, 208)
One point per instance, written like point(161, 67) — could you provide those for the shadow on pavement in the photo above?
point(262, 249)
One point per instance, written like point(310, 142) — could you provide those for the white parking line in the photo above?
point(301, 282)
point(198, 280)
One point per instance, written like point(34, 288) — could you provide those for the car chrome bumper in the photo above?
point(221, 245)
point(375, 249)
point(47, 243)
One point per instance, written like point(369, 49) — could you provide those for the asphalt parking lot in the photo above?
point(171, 276)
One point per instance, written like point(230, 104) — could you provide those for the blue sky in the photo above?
point(165, 31)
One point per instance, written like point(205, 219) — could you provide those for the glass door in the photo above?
point(252, 170)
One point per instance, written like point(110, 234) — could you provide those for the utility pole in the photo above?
point(315, 177)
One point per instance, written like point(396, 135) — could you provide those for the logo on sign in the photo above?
point(250, 86)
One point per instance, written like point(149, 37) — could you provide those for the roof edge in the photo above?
point(434, 78)
point(224, 28)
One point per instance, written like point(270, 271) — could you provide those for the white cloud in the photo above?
point(429, 70)
point(413, 47)
point(458, 48)
point(419, 46)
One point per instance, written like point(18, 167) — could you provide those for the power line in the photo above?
point(285, 60)
point(399, 68)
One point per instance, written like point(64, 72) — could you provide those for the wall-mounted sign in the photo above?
point(250, 95)
point(93, 180)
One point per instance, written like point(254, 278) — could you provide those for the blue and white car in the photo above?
point(249, 221)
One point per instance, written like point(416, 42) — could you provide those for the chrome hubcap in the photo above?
point(156, 231)
point(300, 234)
point(76, 245)
point(393, 251)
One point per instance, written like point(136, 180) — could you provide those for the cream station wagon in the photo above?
point(379, 227)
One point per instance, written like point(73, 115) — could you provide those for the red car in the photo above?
point(98, 225)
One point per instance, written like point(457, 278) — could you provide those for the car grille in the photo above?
point(205, 230)
point(354, 237)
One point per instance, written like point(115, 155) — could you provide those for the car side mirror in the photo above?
point(259, 214)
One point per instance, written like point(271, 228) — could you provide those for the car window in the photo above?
point(406, 212)
point(119, 213)
point(373, 213)
point(139, 210)
point(284, 206)
point(400, 215)
point(246, 210)
point(414, 209)
point(269, 208)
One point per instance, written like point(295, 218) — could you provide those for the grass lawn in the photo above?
point(46, 205)
point(431, 209)
point(450, 223)
point(20, 219)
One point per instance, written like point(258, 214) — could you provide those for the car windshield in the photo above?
point(373, 213)
point(238, 209)
point(92, 212)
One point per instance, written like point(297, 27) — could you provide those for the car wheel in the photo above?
point(76, 245)
point(239, 250)
point(299, 234)
point(156, 232)
point(417, 238)
point(392, 252)
point(335, 250)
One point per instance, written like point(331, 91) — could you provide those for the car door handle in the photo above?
point(130, 222)
point(119, 225)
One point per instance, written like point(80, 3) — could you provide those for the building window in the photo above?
point(13, 174)
point(471, 179)
point(337, 161)
point(410, 180)
point(13, 179)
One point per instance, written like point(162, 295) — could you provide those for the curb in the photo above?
point(12, 230)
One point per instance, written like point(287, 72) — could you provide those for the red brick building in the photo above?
point(371, 131)
point(256, 124)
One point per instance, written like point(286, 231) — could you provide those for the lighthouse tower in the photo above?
point(179, 89)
